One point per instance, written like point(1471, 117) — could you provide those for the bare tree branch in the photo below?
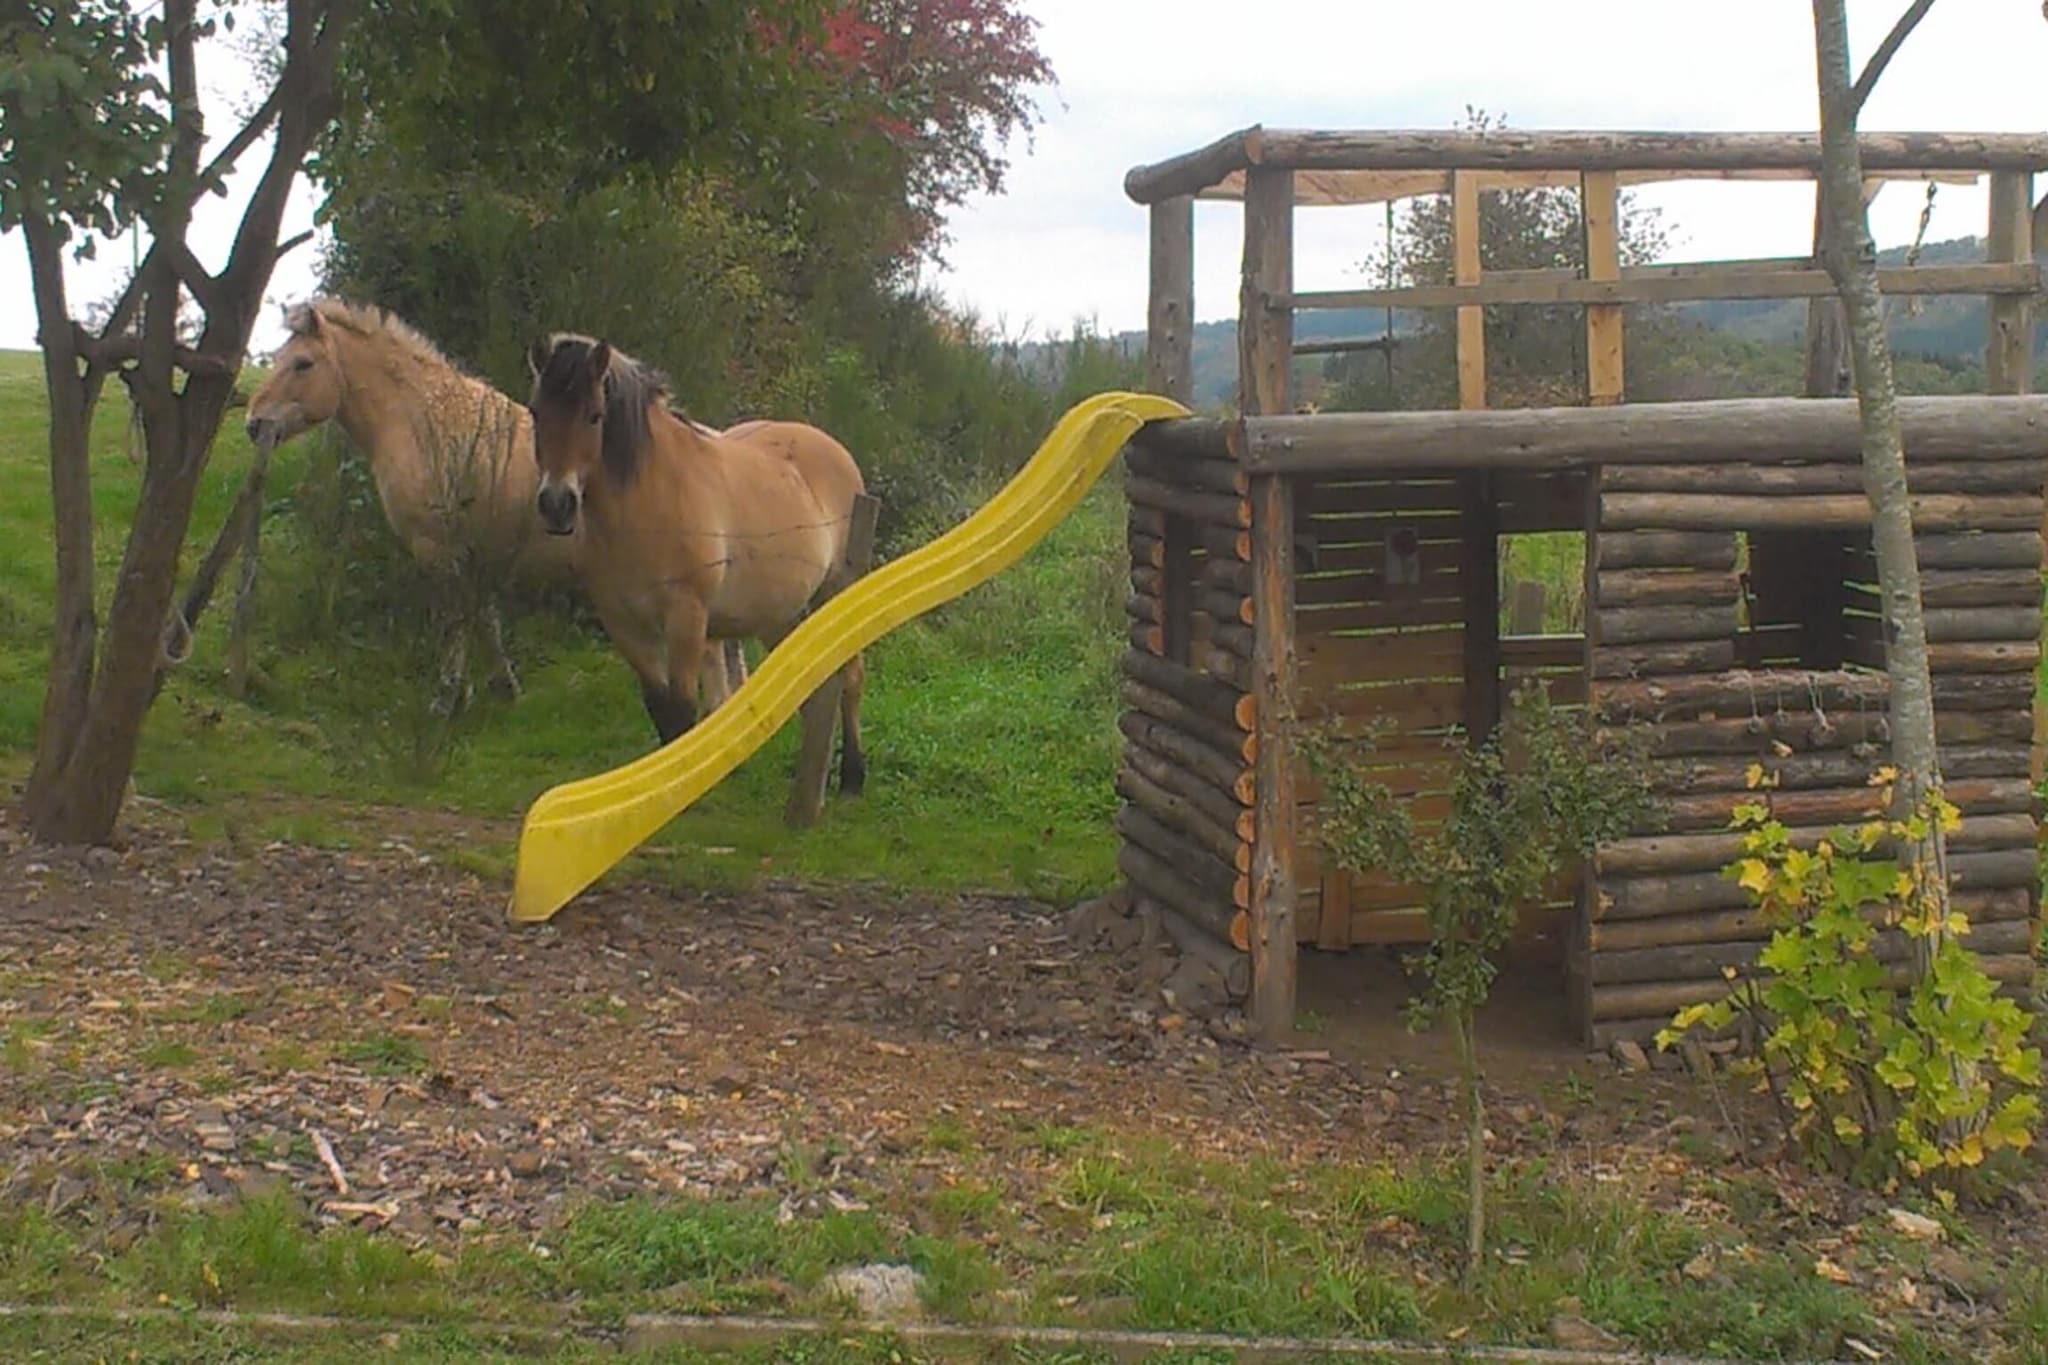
point(116, 353)
point(205, 288)
point(293, 243)
point(258, 124)
point(1865, 83)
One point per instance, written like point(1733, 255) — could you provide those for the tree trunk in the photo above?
point(94, 708)
point(76, 629)
point(1851, 259)
point(1465, 1029)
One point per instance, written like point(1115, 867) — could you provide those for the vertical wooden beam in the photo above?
point(1265, 352)
point(1600, 208)
point(1465, 269)
point(1265, 334)
point(1170, 317)
point(1480, 570)
point(1578, 969)
point(2009, 347)
point(1276, 823)
point(820, 714)
point(2009, 350)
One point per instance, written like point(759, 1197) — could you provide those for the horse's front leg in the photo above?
point(674, 708)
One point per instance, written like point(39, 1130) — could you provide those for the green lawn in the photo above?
point(990, 723)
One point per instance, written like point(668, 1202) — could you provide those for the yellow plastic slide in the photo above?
point(576, 831)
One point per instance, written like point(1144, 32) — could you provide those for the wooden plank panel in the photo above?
point(1330, 660)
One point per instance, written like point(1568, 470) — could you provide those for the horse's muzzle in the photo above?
point(557, 510)
point(263, 430)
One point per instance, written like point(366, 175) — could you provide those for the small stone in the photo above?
point(1574, 1333)
point(399, 996)
point(525, 1164)
point(1629, 1056)
point(730, 1081)
point(102, 859)
point(880, 1291)
point(1917, 1226)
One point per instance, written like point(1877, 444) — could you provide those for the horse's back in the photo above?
point(816, 456)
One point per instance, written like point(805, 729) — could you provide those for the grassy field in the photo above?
point(989, 723)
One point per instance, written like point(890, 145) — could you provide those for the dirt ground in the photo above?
point(368, 1029)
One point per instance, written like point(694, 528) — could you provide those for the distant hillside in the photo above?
point(1945, 329)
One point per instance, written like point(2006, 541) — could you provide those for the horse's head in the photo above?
point(590, 408)
point(305, 384)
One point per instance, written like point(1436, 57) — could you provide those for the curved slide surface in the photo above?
point(575, 832)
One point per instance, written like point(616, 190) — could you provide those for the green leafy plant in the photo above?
point(1545, 788)
point(1874, 1082)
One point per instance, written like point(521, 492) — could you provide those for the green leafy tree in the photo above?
point(1544, 789)
point(100, 128)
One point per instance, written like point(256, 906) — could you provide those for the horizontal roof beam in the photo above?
point(1546, 150)
point(1731, 430)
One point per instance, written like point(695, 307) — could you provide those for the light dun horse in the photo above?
point(448, 453)
point(685, 530)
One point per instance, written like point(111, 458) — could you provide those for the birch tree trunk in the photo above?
point(1851, 260)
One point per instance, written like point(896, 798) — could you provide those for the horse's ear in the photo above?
point(537, 356)
point(600, 361)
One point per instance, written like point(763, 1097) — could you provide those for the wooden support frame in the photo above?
point(1600, 211)
point(1705, 431)
point(820, 714)
point(1466, 270)
point(1996, 279)
point(1170, 314)
point(1266, 336)
point(1707, 155)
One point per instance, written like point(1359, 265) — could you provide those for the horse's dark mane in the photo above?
point(631, 388)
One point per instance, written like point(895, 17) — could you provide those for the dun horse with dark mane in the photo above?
point(688, 532)
point(448, 453)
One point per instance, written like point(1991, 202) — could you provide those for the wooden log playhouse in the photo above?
point(1290, 566)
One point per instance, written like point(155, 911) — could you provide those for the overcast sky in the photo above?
point(1141, 80)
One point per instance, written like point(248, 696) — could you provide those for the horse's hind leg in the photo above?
point(853, 760)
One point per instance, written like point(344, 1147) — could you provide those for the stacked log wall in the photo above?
point(1787, 679)
point(1185, 779)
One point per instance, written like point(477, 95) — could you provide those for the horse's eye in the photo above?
point(303, 363)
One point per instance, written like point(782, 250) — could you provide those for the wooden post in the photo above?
point(1466, 270)
point(820, 714)
point(1600, 208)
point(1265, 350)
point(1170, 317)
point(2009, 353)
point(2009, 347)
point(1480, 527)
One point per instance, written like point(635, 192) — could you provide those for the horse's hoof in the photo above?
point(853, 776)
